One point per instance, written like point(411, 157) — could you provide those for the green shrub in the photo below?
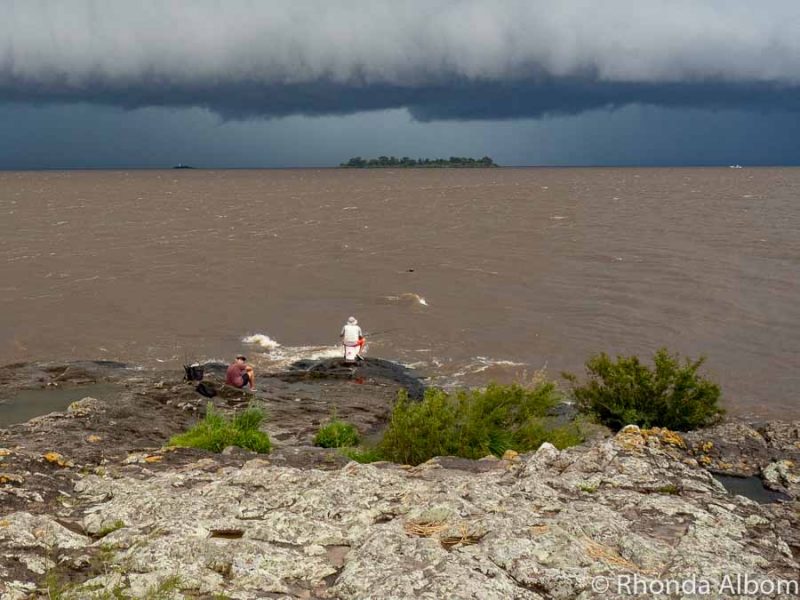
point(418, 431)
point(336, 434)
point(536, 432)
point(215, 432)
point(474, 423)
point(625, 391)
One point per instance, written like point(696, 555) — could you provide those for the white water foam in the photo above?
point(261, 340)
point(479, 364)
point(452, 375)
point(409, 297)
point(276, 355)
point(286, 355)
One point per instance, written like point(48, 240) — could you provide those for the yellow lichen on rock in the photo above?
point(5, 452)
point(673, 438)
point(93, 439)
point(153, 458)
point(511, 455)
point(665, 436)
point(11, 478)
point(630, 437)
point(57, 459)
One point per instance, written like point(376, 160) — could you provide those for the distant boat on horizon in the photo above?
point(182, 166)
point(735, 167)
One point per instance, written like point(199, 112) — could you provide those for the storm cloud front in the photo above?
point(445, 60)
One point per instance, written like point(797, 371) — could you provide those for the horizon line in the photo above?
point(339, 167)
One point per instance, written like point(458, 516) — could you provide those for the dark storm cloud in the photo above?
point(450, 59)
point(463, 100)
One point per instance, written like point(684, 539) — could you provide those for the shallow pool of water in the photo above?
point(27, 404)
point(750, 487)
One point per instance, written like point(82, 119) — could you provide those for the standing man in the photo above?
point(240, 374)
point(351, 335)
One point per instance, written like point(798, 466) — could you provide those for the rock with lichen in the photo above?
point(93, 503)
point(770, 451)
point(541, 525)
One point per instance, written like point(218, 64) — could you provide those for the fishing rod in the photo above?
point(226, 336)
point(374, 333)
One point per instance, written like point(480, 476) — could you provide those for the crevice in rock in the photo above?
point(535, 587)
point(226, 534)
point(331, 579)
point(73, 526)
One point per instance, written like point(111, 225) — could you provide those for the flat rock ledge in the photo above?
point(546, 525)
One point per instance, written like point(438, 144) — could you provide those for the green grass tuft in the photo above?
point(336, 434)
point(362, 455)
point(110, 528)
point(165, 589)
point(215, 432)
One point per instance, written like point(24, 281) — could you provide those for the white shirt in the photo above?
point(351, 333)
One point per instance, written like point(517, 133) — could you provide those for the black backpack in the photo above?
point(193, 372)
point(205, 390)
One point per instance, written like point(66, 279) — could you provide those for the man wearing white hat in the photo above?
point(352, 337)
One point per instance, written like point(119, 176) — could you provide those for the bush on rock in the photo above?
point(475, 423)
point(624, 391)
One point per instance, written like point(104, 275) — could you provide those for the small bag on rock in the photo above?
point(193, 372)
point(206, 390)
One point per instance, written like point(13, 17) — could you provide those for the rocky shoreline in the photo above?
point(92, 503)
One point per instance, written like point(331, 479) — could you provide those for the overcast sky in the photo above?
point(240, 83)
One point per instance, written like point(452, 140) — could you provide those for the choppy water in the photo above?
point(470, 275)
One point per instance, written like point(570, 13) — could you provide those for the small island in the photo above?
point(392, 162)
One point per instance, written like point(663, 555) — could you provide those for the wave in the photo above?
point(407, 298)
point(479, 364)
point(261, 340)
point(277, 356)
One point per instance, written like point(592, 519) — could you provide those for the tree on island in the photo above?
point(402, 163)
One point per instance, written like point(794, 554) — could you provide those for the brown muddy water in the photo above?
point(467, 275)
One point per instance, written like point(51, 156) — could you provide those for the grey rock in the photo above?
point(771, 451)
point(543, 526)
point(85, 406)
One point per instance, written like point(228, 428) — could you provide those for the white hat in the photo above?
point(352, 321)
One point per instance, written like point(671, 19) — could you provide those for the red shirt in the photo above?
point(233, 376)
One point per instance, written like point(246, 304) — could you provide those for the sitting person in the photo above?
point(351, 335)
point(240, 374)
